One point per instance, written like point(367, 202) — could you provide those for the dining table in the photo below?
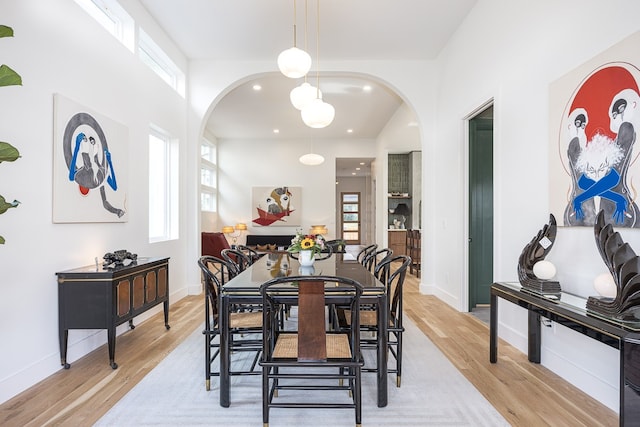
point(245, 289)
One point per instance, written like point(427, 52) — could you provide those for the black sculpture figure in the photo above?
point(624, 266)
point(536, 250)
point(118, 258)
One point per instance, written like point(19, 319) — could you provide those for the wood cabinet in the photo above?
point(398, 241)
point(92, 297)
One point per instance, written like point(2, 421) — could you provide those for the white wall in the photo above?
point(244, 164)
point(57, 48)
point(511, 52)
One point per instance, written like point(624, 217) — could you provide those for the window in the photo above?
point(208, 176)
point(155, 58)
point(163, 186)
point(113, 18)
point(350, 203)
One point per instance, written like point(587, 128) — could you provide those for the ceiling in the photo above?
point(258, 30)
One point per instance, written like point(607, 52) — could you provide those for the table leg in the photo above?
point(166, 314)
point(64, 338)
point(493, 328)
point(535, 338)
point(225, 354)
point(111, 343)
point(629, 381)
point(383, 321)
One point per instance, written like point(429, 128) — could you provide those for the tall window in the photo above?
point(163, 186)
point(208, 177)
point(113, 18)
point(156, 59)
point(350, 218)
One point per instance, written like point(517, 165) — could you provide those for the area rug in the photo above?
point(433, 393)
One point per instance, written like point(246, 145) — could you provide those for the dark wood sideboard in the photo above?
point(570, 311)
point(93, 297)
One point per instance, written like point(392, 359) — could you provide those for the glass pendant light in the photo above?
point(294, 62)
point(301, 95)
point(317, 113)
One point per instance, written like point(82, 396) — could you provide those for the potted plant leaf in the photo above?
point(8, 153)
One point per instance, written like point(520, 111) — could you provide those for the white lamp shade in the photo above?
point(311, 159)
point(544, 270)
point(318, 114)
point(302, 95)
point(294, 63)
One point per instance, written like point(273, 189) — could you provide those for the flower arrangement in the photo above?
point(307, 242)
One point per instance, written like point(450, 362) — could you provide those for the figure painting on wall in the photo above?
point(275, 206)
point(85, 185)
point(95, 169)
point(597, 147)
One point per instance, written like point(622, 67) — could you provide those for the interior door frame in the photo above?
point(464, 291)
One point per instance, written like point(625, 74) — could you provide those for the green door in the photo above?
point(480, 210)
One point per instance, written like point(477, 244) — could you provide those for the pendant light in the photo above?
point(302, 95)
point(293, 62)
point(317, 113)
point(311, 159)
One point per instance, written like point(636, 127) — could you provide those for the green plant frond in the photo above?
point(1, 240)
point(8, 153)
point(8, 77)
point(5, 206)
point(6, 31)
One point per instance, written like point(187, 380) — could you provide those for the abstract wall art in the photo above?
point(595, 116)
point(277, 206)
point(90, 165)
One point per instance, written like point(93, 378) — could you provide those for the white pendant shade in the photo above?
point(311, 159)
point(294, 63)
point(318, 114)
point(302, 95)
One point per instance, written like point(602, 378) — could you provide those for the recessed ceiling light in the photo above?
point(357, 169)
point(276, 131)
point(257, 87)
point(361, 163)
point(412, 124)
point(353, 173)
point(349, 130)
point(366, 88)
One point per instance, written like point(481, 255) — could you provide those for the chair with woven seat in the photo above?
point(250, 253)
point(373, 258)
point(391, 271)
point(310, 357)
point(245, 324)
point(365, 252)
point(236, 259)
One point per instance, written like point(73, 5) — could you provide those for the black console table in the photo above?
point(570, 311)
point(93, 297)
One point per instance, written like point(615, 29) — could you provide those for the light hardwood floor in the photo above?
point(524, 393)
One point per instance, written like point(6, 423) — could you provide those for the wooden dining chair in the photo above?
point(236, 259)
point(373, 258)
point(364, 252)
point(392, 272)
point(245, 322)
point(250, 253)
point(306, 357)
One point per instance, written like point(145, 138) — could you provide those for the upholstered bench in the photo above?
point(268, 242)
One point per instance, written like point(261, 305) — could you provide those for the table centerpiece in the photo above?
point(307, 246)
